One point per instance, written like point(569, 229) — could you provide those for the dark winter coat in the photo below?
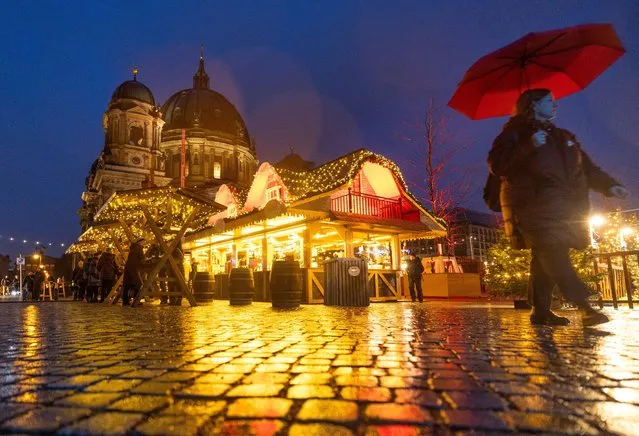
point(544, 190)
point(78, 275)
point(38, 279)
point(107, 266)
point(27, 283)
point(92, 272)
point(134, 265)
point(414, 268)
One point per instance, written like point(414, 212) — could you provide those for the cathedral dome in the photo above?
point(134, 90)
point(203, 108)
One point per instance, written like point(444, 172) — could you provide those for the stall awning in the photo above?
point(272, 209)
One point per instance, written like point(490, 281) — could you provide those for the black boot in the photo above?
point(548, 318)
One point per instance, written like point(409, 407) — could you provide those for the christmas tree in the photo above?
point(508, 270)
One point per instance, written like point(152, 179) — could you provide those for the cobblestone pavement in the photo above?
point(390, 369)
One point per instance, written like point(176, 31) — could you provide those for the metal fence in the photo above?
point(620, 277)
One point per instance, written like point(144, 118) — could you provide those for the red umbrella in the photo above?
point(563, 60)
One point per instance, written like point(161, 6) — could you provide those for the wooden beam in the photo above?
point(168, 250)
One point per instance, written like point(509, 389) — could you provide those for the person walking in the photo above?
point(414, 270)
point(545, 180)
point(108, 269)
point(132, 269)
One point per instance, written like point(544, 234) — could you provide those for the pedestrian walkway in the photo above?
point(389, 369)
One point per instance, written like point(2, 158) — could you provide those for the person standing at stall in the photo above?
point(414, 270)
point(78, 281)
point(93, 279)
point(108, 269)
point(132, 269)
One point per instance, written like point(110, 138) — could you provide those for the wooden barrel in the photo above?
point(203, 286)
point(241, 287)
point(286, 284)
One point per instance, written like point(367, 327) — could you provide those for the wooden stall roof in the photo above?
point(83, 247)
point(337, 173)
point(171, 203)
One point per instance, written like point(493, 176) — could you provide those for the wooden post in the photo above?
point(264, 266)
point(168, 251)
point(613, 287)
point(348, 243)
point(598, 285)
point(306, 249)
point(627, 281)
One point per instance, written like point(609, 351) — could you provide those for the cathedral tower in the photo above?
point(131, 157)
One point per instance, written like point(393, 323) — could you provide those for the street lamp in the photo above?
point(595, 221)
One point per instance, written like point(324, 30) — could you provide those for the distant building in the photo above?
point(474, 233)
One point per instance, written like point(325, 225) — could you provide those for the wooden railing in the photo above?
point(364, 204)
point(620, 280)
point(383, 285)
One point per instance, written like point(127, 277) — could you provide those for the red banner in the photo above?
point(183, 160)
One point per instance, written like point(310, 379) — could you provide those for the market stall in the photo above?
point(160, 216)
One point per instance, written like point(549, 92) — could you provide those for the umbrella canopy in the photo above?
point(564, 61)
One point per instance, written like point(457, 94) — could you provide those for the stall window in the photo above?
point(273, 193)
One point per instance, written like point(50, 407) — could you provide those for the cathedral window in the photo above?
point(196, 158)
point(274, 193)
point(136, 136)
point(217, 170)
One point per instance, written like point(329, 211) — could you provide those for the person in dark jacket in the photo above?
point(545, 180)
point(38, 284)
point(93, 278)
point(133, 267)
point(27, 286)
point(78, 281)
point(414, 270)
point(108, 269)
point(153, 256)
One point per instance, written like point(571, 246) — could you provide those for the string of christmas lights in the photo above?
point(39, 242)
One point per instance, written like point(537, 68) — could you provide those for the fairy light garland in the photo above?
point(38, 242)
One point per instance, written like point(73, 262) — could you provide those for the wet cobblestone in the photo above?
point(400, 369)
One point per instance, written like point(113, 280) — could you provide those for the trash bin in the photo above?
point(345, 282)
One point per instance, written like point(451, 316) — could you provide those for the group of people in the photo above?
point(33, 285)
point(94, 279)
